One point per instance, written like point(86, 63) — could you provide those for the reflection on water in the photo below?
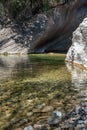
point(9, 65)
point(79, 81)
point(30, 83)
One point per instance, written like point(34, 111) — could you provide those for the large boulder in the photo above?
point(78, 51)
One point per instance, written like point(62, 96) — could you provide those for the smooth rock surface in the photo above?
point(29, 128)
point(78, 51)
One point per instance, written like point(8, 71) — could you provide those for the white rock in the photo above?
point(78, 51)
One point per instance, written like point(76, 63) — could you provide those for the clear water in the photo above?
point(30, 83)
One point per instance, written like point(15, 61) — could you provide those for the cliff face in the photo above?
point(78, 51)
point(51, 32)
point(62, 23)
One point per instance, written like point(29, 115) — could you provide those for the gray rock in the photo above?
point(57, 114)
point(43, 128)
point(80, 122)
point(0, 26)
point(29, 128)
point(53, 121)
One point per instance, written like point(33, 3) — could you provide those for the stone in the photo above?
point(37, 126)
point(40, 127)
point(29, 114)
point(57, 114)
point(47, 109)
point(80, 122)
point(78, 51)
point(29, 128)
point(53, 121)
point(58, 128)
point(43, 128)
point(0, 26)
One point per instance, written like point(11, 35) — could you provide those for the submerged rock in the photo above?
point(57, 114)
point(29, 128)
point(55, 119)
point(47, 109)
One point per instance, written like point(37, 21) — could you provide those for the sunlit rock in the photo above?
point(78, 51)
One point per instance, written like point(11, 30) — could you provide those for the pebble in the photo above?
point(43, 128)
point(57, 114)
point(29, 128)
point(29, 113)
point(47, 109)
point(80, 122)
point(40, 127)
point(53, 121)
point(37, 126)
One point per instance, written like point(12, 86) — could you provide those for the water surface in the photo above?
point(30, 83)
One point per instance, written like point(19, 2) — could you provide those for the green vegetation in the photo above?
point(30, 7)
point(49, 58)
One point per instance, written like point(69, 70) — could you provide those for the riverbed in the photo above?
point(33, 86)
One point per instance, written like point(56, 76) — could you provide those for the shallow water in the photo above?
point(30, 83)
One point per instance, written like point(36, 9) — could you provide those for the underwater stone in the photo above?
point(29, 128)
point(57, 114)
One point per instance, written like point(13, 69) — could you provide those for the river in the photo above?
point(30, 83)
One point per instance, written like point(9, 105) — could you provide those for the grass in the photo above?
point(48, 57)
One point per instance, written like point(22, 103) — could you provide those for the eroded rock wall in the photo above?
point(50, 32)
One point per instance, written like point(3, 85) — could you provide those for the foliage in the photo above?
point(15, 7)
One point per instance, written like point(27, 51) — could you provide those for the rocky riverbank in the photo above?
point(74, 120)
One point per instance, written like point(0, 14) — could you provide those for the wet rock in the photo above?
point(57, 114)
point(29, 113)
point(80, 122)
point(0, 26)
point(58, 128)
point(19, 129)
point(43, 128)
point(47, 109)
point(37, 126)
point(29, 128)
point(40, 127)
point(77, 128)
point(84, 128)
point(40, 106)
point(53, 121)
point(85, 122)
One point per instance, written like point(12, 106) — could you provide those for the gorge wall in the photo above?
point(49, 32)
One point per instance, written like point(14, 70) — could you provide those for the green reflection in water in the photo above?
point(30, 83)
